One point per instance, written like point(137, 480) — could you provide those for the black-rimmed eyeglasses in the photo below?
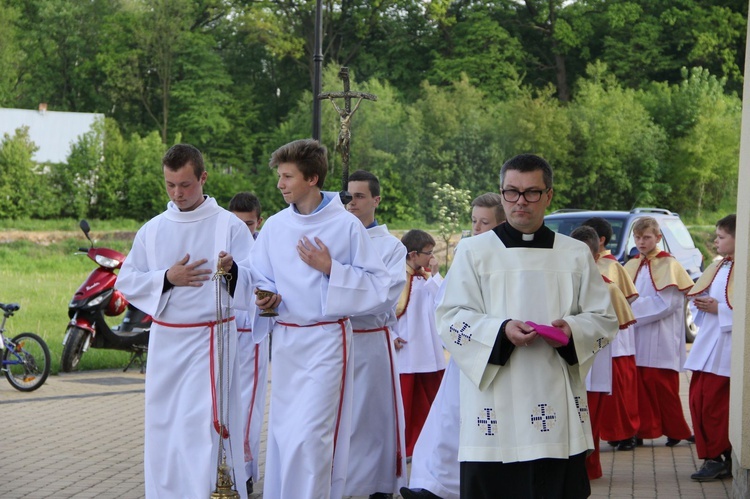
point(531, 196)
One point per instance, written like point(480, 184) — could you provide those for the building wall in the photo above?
point(53, 132)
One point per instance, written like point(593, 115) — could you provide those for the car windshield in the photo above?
point(680, 233)
point(567, 224)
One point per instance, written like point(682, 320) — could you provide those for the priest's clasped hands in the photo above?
point(521, 334)
point(183, 273)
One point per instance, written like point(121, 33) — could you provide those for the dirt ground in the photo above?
point(49, 237)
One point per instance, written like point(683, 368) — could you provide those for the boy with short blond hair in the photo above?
point(420, 351)
point(660, 352)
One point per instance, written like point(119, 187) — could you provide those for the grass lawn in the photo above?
point(42, 279)
point(43, 276)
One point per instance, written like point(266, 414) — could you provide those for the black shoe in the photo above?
point(691, 439)
point(638, 442)
point(614, 443)
point(727, 454)
point(249, 485)
point(408, 493)
point(711, 470)
point(628, 444)
point(381, 495)
point(671, 442)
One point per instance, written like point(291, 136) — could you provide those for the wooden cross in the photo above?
point(345, 132)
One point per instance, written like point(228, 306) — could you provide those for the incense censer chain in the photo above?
point(225, 484)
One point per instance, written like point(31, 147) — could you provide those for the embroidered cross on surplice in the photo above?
point(583, 411)
point(460, 334)
point(600, 343)
point(543, 417)
point(488, 420)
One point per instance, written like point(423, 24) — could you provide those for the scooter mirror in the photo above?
point(85, 227)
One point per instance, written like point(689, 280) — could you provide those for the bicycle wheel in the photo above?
point(26, 362)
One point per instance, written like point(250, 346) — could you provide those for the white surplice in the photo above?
point(423, 352)
point(535, 406)
point(434, 463)
point(309, 410)
point(181, 445)
point(712, 349)
point(377, 437)
point(660, 331)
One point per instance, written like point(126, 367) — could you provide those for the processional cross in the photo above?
point(345, 132)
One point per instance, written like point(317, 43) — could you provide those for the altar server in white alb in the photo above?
point(320, 264)
point(377, 457)
point(524, 428)
point(710, 358)
point(421, 361)
point(659, 334)
point(167, 275)
point(434, 467)
point(253, 355)
point(599, 378)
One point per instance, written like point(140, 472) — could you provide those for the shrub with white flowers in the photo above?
point(452, 204)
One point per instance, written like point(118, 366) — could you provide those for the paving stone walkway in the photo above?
point(81, 436)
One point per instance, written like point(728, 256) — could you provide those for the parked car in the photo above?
point(677, 240)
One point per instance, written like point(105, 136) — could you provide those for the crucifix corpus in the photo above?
point(345, 132)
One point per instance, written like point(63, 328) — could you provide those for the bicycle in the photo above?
point(26, 358)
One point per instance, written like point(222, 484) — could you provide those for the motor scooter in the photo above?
point(96, 299)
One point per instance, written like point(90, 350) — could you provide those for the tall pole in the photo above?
point(317, 68)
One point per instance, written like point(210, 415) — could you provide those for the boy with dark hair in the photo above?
point(659, 334)
point(246, 206)
point(710, 357)
point(321, 268)
point(420, 353)
point(377, 465)
point(599, 379)
point(620, 420)
point(166, 274)
point(253, 355)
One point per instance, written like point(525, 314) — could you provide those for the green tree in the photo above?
point(646, 40)
point(76, 179)
point(111, 177)
point(483, 50)
point(17, 174)
point(536, 122)
point(452, 137)
point(702, 123)
point(59, 41)
point(618, 148)
point(11, 55)
point(145, 195)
